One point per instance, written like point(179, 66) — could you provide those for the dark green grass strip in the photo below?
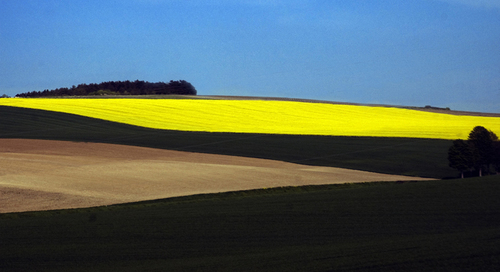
point(406, 156)
point(447, 225)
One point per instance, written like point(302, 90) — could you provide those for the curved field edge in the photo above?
point(445, 225)
point(402, 156)
point(267, 117)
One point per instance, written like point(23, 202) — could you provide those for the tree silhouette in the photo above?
point(460, 156)
point(137, 87)
point(481, 141)
point(481, 150)
point(496, 156)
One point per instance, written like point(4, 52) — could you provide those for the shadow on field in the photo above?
point(402, 156)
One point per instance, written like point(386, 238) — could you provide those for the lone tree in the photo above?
point(481, 141)
point(479, 151)
point(460, 156)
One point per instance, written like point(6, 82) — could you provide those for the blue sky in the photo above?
point(414, 52)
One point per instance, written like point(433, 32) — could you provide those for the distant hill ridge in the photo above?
point(137, 87)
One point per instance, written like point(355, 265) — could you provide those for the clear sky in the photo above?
point(442, 53)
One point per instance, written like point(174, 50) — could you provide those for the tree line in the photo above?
point(476, 155)
point(137, 87)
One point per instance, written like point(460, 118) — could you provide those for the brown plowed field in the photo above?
point(42, 175)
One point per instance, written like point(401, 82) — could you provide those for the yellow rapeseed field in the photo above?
point(275, 117)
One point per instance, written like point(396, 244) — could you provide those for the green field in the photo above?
point(443, 225)
point(447, 225)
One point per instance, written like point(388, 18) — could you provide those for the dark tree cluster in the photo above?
point(118, 88)
point(477, 154)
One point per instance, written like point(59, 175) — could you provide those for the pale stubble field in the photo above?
point(45, 175)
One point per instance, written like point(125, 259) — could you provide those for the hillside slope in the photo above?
point(401, 156)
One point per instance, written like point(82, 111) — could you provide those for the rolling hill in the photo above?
point(267, 117)
point(440, 225)
point(390, 155)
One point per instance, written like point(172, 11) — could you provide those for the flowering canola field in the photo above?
point(273, 117)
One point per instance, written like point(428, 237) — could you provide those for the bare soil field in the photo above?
point(44, 175)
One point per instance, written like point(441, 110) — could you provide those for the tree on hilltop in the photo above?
point(137, 87)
